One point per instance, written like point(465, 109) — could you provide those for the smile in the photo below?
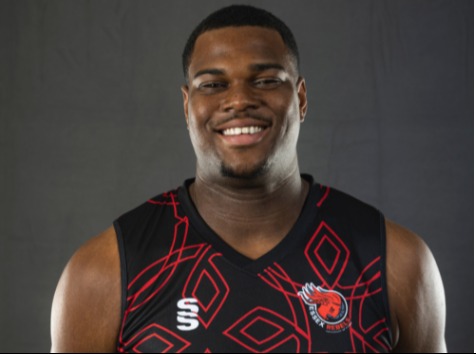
point(241, 137)
point(242, 131)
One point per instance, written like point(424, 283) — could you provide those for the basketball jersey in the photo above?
point(321, 289)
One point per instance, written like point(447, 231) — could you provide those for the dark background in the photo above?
point(91, 125)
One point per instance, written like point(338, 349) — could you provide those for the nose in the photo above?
point(239, 98)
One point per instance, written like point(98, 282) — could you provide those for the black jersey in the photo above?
point(321, 289)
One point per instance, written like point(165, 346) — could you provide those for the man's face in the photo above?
point(244, 102)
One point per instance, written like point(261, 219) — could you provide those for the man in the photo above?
point(250, 255)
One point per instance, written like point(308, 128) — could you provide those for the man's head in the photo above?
point(244, 99)
point(239, 16)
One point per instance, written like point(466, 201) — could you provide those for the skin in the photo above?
point(252, 78)
point(241, 75)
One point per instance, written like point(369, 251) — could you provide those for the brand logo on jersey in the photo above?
point(187, 314)
point(328, 308)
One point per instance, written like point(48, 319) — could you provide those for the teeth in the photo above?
point(240, 131)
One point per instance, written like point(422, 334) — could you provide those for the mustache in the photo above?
point(236, 116)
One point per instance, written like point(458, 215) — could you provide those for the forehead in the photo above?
point(239, 45)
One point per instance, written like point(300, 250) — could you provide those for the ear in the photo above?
point(185, 97)
point(302, 95)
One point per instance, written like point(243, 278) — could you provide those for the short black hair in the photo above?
point(237, 16)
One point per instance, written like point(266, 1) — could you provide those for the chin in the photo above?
point(244, 172)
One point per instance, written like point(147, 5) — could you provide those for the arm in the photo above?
point(416, 294)
point(87, 304)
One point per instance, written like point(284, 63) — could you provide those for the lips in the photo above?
point(244, 140)
point(241, 123)
point(243, 132)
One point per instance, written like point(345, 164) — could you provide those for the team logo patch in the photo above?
point(328, 308)
point(187, 314)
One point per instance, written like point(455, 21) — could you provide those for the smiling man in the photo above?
point(250, 255)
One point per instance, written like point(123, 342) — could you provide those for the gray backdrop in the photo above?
point(92, 125)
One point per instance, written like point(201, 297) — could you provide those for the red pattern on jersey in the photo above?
point(156, 276)
point(283, 333)
point(326, 254)
point(205, 268)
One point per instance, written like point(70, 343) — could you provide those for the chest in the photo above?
point(252, 238)
point(198, 301)
point(322, 288)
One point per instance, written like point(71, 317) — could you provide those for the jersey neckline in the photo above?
point(298, 232)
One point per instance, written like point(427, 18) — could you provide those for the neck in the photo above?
point(246, 201)
point(251, 217)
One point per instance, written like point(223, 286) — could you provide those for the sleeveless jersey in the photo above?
point(321, 289)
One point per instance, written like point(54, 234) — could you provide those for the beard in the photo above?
point(247, 173)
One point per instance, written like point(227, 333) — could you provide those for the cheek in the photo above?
point(200, 115)
point(289, 111)
point(199, 118)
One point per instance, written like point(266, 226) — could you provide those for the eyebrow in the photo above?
point(210, 72)
point(253, 67)
point(266, 66)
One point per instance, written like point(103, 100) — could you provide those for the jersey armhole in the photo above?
point(122, 256)
point(383, 243)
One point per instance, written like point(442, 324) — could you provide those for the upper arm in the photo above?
point(87, 304)
point(416, 294)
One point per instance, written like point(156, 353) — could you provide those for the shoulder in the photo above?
point(409, 259)
point(86, 307)
point(148, 211)
point(415, 290)
point(405, 250)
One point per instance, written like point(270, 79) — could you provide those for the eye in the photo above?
point(268, 83)
point(212, 86)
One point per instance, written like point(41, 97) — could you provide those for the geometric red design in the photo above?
point(325, 191)
point(254, 330)
point(149, 283)
point(263, 330)
point(360, 345)
point(278, 279)
point(327, 255)
point(158, 339)
point(208, 286)
point(152, 279)
point(323, 253)
point(160, 344)
point(205, 282)
point(366, 290)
